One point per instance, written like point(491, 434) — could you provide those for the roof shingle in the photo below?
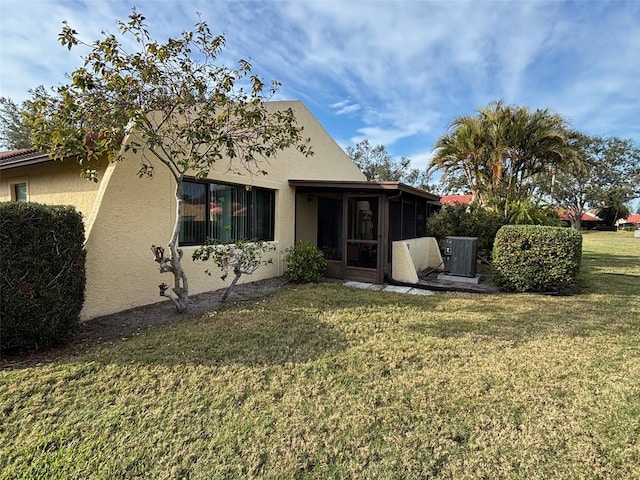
point(19, 158)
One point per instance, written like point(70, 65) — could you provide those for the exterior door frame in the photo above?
point(364, 274)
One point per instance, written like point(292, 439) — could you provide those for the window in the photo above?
point(19, 192)
point(225, 212)
point(330, 227)
point(407, 218)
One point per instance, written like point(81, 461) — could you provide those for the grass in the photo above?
point(329, 382)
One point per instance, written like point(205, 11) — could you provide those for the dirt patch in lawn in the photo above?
point(129, 322)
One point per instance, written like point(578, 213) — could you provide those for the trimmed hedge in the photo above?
point(42, 274)
point(532, 258)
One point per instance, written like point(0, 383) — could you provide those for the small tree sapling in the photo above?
point(242, 257)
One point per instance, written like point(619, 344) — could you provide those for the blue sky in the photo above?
point(394, 72)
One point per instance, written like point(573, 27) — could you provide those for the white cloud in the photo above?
point(348, 109)
point(402, 70)
point(421, 160)
point(381, 136)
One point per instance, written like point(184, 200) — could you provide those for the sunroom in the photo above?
point(354, 223)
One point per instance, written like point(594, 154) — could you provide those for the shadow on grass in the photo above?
point(613, 283)
point(250, 337)
point(610, 260)
point(560, 316)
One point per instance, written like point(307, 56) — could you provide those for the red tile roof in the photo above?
point(19, 158)
point(454, 199)
point(586, 216)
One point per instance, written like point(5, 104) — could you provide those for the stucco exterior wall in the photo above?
point(306, 217)
point(53, 183)
point(124, 215)
point(413, 255)
point(135, 213)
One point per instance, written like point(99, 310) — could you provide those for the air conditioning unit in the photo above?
point(460, 256)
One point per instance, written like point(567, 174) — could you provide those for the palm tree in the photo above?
point(503, 152)
point(461, 152)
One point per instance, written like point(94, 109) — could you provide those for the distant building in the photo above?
point(456, 199)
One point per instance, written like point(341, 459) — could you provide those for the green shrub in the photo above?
point(42, 274)
point(305, 263)
point(531, 258)
point(525, 212)
point(465, 221)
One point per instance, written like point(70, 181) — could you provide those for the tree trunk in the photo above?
point(576, 221)
point(173, 264)
point(230, 287)
point(181, 285)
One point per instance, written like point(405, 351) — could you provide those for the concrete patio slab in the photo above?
point(388, 288)
point(363, 285)
point(456, 278)
point(419, 291)
point(396, 288)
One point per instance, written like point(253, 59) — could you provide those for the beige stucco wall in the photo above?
point(135, 213)
point(124, 215)
point(53, 183)
point(306, 217)
point(413, 255)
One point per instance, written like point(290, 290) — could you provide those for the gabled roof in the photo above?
point(364, 187)
point(20, 158)
point(586, 216)
point(632, 218)
point(454, 199)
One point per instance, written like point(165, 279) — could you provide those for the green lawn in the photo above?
point(330, 382)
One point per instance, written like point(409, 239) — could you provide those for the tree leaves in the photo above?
point(188, 111)
point(502, 152)
point(606, 178)
point(14, 134)
point(378, 166)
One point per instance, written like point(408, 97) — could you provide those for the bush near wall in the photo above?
point(465, 221)
point(42, 274)
point(532, 258)
point(305, 263)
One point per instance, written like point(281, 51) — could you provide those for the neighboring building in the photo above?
point(589, 221)
point(324, 199)
point(456, 199)
point(630, 222)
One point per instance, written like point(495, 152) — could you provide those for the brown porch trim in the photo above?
point(356, 187)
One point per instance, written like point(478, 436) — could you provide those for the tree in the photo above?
point(378, 166)
point(503, 153)
point(241, 257)
point(613, 210)
point(607, 175)
point(14, 133)
point(170, 103)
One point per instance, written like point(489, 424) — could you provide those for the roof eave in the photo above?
point(23, 162)
point(363, 186)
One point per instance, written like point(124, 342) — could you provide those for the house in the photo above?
point(588, 221)
point(456, 199)
point(324, 199)
point(630, 222)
